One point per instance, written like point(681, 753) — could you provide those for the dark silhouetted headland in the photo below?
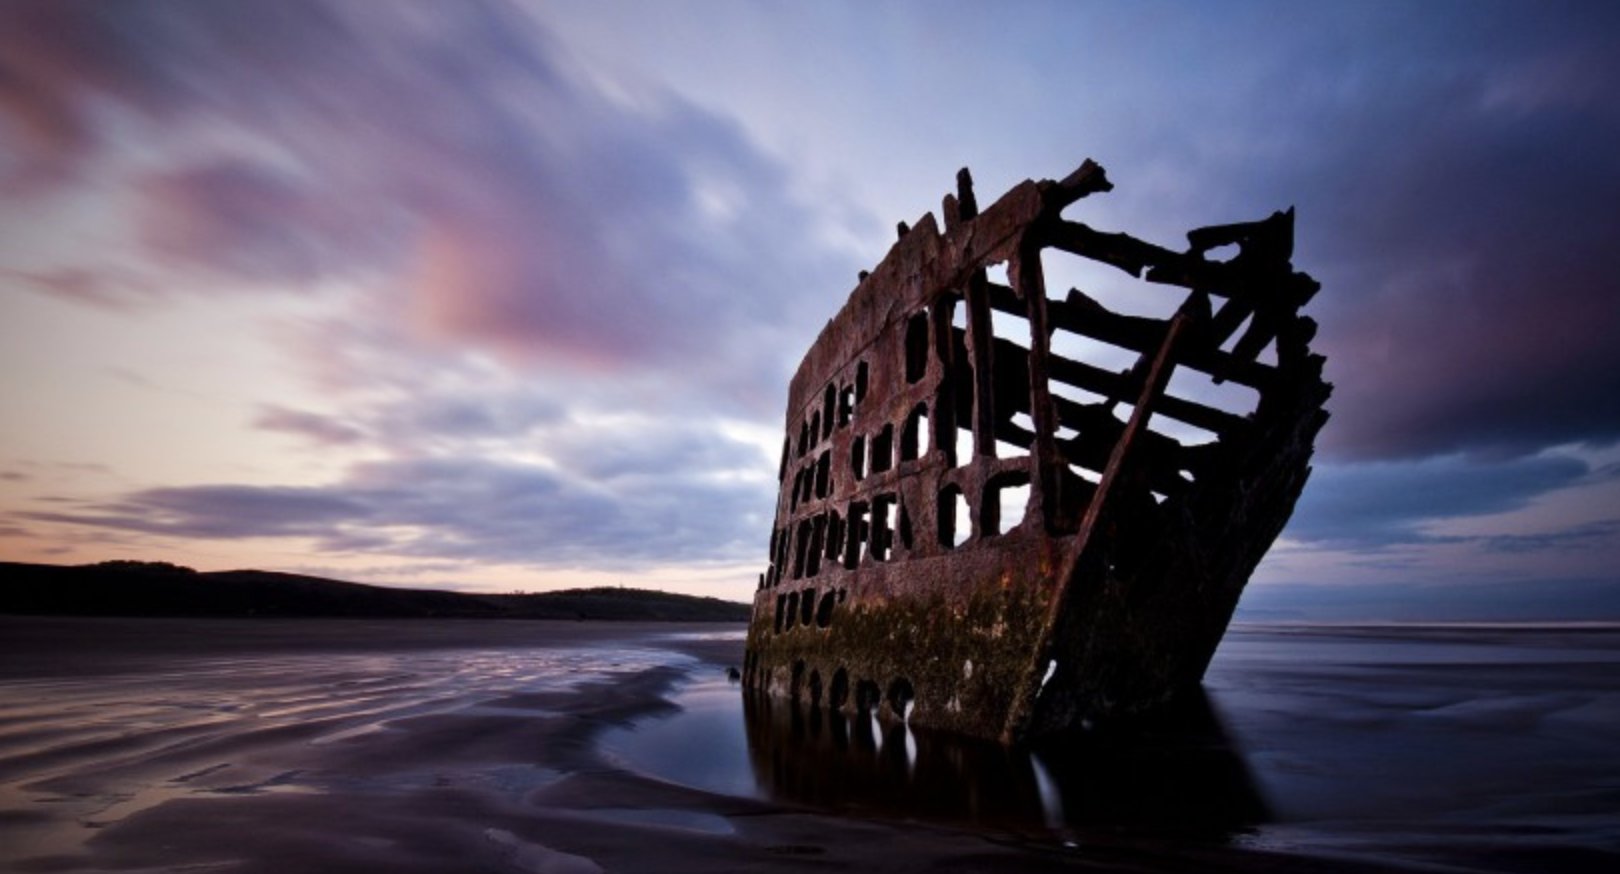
point(129, 588)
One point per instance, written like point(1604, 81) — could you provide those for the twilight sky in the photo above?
point(507, 295)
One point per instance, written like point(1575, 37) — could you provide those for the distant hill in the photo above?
point(126, 588)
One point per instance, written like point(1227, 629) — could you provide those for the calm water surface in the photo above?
point(1476, 746)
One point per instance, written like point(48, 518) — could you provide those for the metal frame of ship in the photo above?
point(902, 580)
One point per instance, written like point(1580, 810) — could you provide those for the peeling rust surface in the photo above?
point(1003, 511)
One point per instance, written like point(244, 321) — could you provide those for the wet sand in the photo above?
point(426, 745)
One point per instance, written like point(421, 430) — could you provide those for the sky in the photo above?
point(498, 296)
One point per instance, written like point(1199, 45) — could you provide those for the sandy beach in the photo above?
point(352, 745)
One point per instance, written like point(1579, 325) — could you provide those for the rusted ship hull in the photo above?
point(898, 582)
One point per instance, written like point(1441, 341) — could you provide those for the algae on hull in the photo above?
point(894, 581)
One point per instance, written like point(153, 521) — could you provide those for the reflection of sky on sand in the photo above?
point(704, 745)
point(1388, 743)
point(81, 753)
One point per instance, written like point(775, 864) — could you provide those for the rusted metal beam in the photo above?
point(894, 577)
point(1113, 479)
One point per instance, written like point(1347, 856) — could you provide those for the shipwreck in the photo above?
point(1004, 513)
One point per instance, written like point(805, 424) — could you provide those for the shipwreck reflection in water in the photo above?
point(1178, 773)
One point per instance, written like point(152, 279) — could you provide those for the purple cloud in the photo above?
point(1373, 505)
point(466, 192)
point(504, 201)
point(323, 430)
point(467, 509)
point(222, 511)
point(1458, 205)
point(248, 222)
point(1591, 535)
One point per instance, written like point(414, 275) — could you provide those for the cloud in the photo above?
point(504, 199)
point(249, 223)
point(100, 288)
point(1590, 535)
point(493, 477)
point(323, 430)
point(1550, 600)
point(1372, 505)
point(543, 286)
point(1458, 204)
point(509, 413)
point(542, 294)
point(470, 509)
point(219, 511)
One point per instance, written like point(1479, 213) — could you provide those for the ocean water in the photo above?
point(441, 745)
point(1461, 747)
